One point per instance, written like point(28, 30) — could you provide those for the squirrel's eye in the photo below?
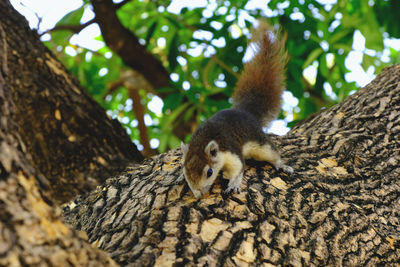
point(209, 172)
point(213, 152)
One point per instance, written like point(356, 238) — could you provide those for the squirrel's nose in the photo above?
point(197, 194)
point(205, 189)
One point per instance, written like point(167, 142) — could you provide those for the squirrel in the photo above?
point(230, 136)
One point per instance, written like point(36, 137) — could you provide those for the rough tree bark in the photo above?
point(31, 231)
point(66, 134)
point(341, 207)
point(55, 141)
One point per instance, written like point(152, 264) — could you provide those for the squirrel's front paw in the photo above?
point(234, 189)
point(234, 184)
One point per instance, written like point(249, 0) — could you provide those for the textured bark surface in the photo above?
point(65, 133)
point(31, 231)
point(55, 141)
point(341, 207)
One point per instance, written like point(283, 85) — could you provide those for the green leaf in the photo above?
point(367, 61)
point(173, 52)
point(172, 101)
point(173, 141)
point(307, 107)
point(189, 113)
point(312, 57)
point(164, 142)
point(371, 29)
point(72, 18)
point(172, 117)
point(334, 38)
point(61, 37)
point(345, 47)
point(172, 19)
point(166, 90)
point(322, 66)
point(204, 27)
point(151, 30)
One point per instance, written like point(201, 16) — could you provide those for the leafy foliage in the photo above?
point(203, 49)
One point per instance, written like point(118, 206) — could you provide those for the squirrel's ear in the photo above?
point(184, 149)
point(211, 149)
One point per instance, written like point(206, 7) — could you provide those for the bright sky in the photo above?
point(51, 11)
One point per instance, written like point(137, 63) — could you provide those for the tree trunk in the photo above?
point(66, 134)
point(340, 207)
point(55, 142)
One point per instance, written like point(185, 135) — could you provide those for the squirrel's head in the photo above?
point(201, 166)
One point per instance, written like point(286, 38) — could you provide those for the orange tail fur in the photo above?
point(261, 83)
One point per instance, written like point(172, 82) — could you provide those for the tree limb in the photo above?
point(32, 82)
point(127, 46)
point(72, 28)
point(67, 135)
point(139, 111)
point(80, 27)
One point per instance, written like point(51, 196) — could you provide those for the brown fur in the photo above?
point(260, 86)
point(195, 164)
point(256, 103)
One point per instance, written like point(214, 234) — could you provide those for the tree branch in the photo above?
point(72, 28)
point(139, 111)
point(50, 116)
point(80, 27)
point(55, 141)
point(121, 4)
point(127, 46)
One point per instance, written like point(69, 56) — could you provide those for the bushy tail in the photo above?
point(261, 83)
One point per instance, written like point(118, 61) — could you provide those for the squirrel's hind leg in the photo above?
point(265, 152)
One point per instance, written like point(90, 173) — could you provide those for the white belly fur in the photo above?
point(232, 164)
point(261, 152)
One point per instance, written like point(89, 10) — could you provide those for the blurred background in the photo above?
point(335, 48)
